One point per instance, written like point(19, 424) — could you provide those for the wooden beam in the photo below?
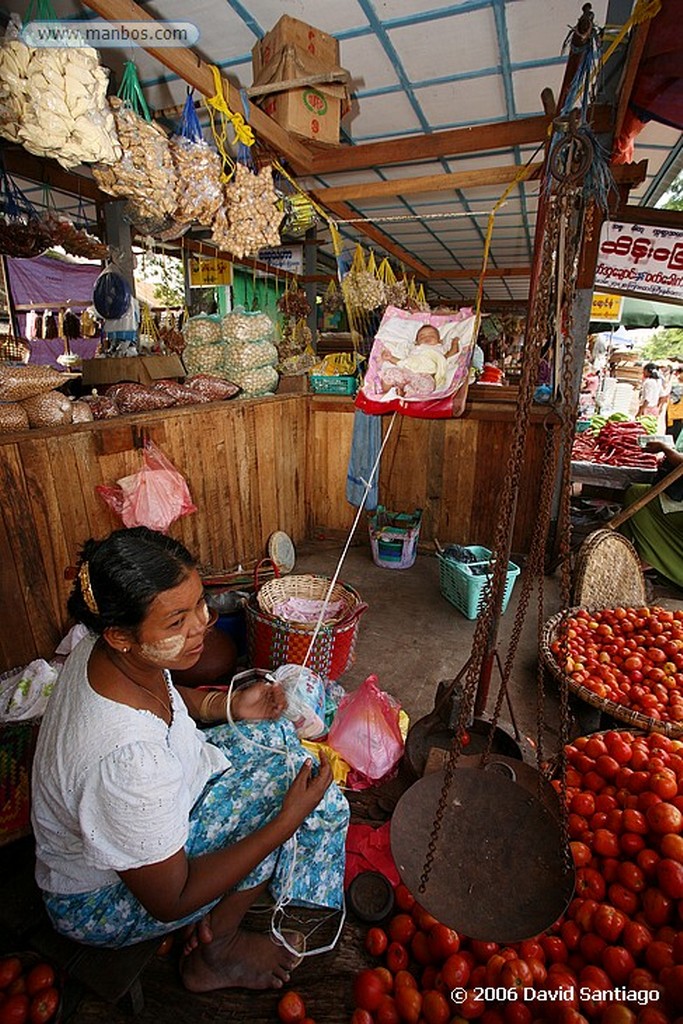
point(452, 142)
point(185, 63)
point(657, 218)
point(425, 183)
point(630, 174)
point(48, 172)
point(634, 56)
point(469, 273)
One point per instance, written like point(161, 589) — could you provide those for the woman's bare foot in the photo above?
point(244, 960)
point(197, 934)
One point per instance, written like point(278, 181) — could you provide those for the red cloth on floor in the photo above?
point(368, 849)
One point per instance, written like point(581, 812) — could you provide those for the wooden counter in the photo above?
point(253, 467)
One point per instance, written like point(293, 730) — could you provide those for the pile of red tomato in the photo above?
point(615, 957)
point(632, 656)
point(28, 991)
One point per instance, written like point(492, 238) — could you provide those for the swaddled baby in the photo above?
point(420, 371)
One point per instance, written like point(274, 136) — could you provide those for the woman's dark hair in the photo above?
point(120, 576)
point(651, 369)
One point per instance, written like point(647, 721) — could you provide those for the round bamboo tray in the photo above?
point(619, 711)
point(312, 588)
point(608, 573)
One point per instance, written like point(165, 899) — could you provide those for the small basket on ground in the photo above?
point(394, 537)
point(463, 583)
point(273, 641)
point(623, 713)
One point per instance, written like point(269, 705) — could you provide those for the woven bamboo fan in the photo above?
point(619, 711)
point(608, 573)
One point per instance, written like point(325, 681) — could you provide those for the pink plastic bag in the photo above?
point(155, 496)
point(365, 730)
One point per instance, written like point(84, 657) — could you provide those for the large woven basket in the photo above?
point(608, 573)
point(273, 641)
point(313, 588)
point(619, 711)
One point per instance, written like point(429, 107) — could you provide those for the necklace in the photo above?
point(165, 704)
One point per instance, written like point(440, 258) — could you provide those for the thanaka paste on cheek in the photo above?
point(165, 650)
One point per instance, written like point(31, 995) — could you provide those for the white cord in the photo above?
point(366, 491)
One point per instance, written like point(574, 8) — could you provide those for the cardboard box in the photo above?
point(140, 369)
point(313, 112)
point(293, 385)
point(319, 45)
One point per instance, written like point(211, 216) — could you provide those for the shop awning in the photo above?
point(644, 313)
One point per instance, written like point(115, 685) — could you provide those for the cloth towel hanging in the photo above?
point(365, 445)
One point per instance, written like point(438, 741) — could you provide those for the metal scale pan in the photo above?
point(499, 873)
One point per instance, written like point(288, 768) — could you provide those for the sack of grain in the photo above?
point(13, 417)
point(138, 398)
point(51, 409)
point(212, 389)
point(81, 412)
point(19, 382)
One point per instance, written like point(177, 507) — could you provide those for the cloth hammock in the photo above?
point(423, 380)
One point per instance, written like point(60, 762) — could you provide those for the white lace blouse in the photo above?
point(112, 786)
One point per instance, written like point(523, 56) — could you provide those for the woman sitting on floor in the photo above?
point(144, 823)
point(656, 530)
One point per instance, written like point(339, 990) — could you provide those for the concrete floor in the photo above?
point(411, 637)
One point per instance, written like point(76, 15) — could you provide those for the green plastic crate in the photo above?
point(465, 589)
point(341, 384)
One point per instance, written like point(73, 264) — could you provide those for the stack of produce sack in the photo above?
point(251, 356)
point(238, 347)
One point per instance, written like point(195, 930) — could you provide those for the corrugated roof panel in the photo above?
point(367, 62)
point(536, 29)
point(330, 17)
point(528, 85)
point(383, 116)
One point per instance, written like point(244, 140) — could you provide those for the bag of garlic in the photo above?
point(198, 169)
point(204, 329)
point(257, 382)
point(249, 355)
point(145, 172)
point(204, 358)
point(239, 325)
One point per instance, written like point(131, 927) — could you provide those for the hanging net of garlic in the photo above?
point(249, 219)
point(361, 287)
point(53, 101)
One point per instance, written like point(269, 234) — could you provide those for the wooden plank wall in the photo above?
point(252, 467)
point(245, 463)
point(452, 469)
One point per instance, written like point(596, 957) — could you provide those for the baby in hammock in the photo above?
point(420, 371)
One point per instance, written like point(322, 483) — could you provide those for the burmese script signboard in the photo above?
point(641, 260)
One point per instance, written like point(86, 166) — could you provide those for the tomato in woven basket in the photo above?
point(30, 990)
point(631, 656)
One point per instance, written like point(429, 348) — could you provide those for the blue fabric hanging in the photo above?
point(365, 445)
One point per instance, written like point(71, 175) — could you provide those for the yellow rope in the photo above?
point(220, 114)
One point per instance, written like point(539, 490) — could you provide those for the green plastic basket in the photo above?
point(326, 384)
point(465, 589)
